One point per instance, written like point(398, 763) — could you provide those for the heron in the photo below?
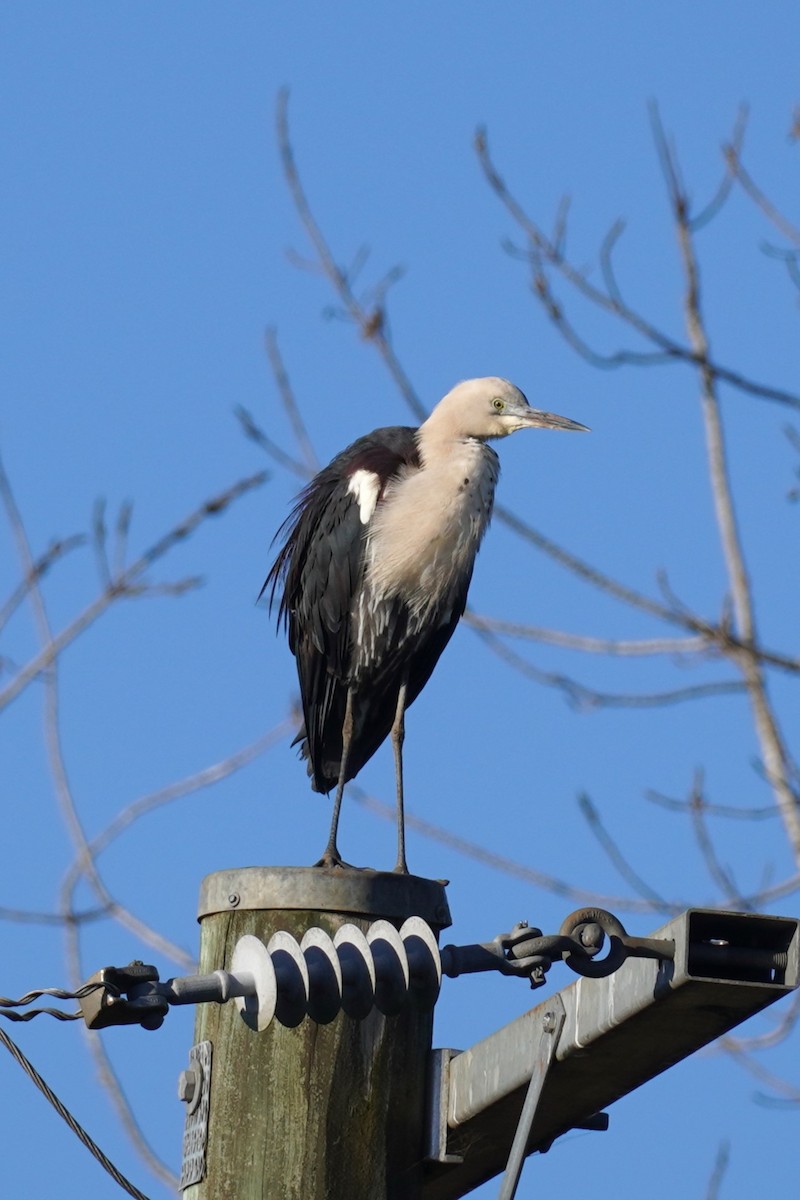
point(373, 574)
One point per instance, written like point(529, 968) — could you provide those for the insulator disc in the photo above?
point(250, 957)
point(324, 974)
point(292, 976)
point(391, 967)
point(358, 971)
point(424, 961)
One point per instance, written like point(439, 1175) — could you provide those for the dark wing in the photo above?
point(316, 576)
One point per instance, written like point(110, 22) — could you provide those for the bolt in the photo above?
point(441, 912)
point(549, 1022)
point(591, 936)
point(188, 1082)
point(538, 977)
point(233, 899)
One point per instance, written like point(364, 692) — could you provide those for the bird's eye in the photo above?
point(498, 405)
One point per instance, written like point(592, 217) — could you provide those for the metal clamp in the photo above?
point(526, 951)
point(108, 1006)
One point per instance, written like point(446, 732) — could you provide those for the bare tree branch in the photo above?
point(590, 645)
point(541, 250)
point(370, 322)
point(718, 1174)
point(56, 550)
point(124, 584)
point(290, 404)
point(584, 698)
point(24, 916)
point(55, 754)
point(504, 864)
point(718, 635)
point(714, 206)
point(176, 791)
point(615, 856)
point(256, 434)
point(722, 876)
point(777, 762)
point(787, 1090)
point(787, 1018)
point(714, 810)
point(735, 165)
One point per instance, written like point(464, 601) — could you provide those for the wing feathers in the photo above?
point(317, 575)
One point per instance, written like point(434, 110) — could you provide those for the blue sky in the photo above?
point(145, 231)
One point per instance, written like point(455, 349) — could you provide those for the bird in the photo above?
point(373, 571)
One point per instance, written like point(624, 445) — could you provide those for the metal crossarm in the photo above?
point(619, 1031)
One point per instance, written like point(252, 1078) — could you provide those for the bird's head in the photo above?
point(490, 408)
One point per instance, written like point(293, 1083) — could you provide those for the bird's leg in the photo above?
point(331, 856)
point(398, 737)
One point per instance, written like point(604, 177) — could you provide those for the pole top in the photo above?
point(365, 893)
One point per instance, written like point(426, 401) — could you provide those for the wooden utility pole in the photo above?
point(319, 1111)
point(339, 1097)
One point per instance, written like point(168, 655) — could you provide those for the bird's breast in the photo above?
point(423, 537)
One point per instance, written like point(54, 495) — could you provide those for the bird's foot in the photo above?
point(332, 858)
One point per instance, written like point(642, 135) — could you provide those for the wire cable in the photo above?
point(67, 1116)
point(57, 994)
point(58, 1013)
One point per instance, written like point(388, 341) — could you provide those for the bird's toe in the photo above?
point(333, 859)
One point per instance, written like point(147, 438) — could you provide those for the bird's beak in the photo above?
point(534, 418)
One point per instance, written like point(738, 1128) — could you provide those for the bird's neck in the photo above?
point(437, 441)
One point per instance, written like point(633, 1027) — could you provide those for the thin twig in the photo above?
point(615, 856)
point(99, 542)
point(720, 1167)
point(789, 1091)
point(710, 809)
point(289, 400)
point(583, 697)
point(784, 226)
point(57, 550)
point(780, 1031)
point(25, 916)
point(256, 434)
point(589, 645)
point(731, 893)
point(123, 526)
point(712, 209)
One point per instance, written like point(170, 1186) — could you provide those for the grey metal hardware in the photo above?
point(194, 1087)
point(548, 1032)
point(367, 892)
point(619, 1031)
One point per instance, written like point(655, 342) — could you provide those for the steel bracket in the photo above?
point(438, 1092)
point(548, 1033)
point(195, 1089)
